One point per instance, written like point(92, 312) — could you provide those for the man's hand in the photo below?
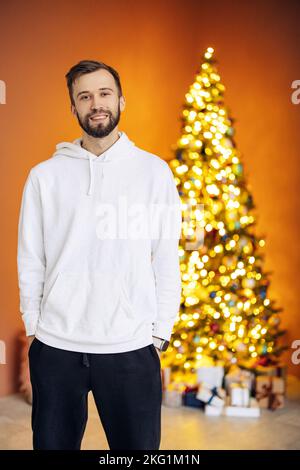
point(30, 339)
point(158, 352)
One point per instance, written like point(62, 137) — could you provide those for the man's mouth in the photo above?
point(99, 117)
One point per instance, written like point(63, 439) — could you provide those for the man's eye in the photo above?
point(84, 97)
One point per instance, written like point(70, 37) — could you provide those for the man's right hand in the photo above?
point(30, 339)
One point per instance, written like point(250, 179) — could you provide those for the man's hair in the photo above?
point(88, 66)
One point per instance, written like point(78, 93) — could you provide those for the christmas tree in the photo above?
point(226, 314)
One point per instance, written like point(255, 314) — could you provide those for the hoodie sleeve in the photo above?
point(165, 257)
point(30, 257)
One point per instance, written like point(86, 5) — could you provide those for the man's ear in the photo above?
point(122, 103)
point(73, 110)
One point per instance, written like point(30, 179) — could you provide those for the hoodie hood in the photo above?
point(121, 149)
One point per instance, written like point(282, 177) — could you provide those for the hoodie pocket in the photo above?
point(91, 304)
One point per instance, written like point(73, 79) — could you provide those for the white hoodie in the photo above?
point(84, 285)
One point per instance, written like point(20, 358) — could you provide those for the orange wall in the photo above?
point(156, 46)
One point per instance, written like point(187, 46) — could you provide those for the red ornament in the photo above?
point(263, 361)
point(214, 327)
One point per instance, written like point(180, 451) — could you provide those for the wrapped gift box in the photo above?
point(211, 396)
point(238, 375)
point(251, 411)
point(189, 397)
point(172, 395)
point(239, 394)
point(211, 375)
point(172, 398)
point(270, 391)
point(214, 410)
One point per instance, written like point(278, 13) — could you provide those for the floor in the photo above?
point(182, 428)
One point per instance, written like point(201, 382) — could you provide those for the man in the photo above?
point(99, 291)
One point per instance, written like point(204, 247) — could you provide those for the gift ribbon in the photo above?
point(214, 393)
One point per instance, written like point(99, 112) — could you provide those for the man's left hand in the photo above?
point(158, 352)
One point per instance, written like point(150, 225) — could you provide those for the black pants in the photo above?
point(126, 387)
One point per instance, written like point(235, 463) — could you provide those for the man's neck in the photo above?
point(99, 146)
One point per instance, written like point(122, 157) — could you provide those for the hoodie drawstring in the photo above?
point(91, 175)
point(122, 148)
point(85, 360)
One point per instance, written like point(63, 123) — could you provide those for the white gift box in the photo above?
point(206, 394)
point(213, 410)
point(252, 411)
point(212, 376)
point(237, 375)
point(239, 394)
point(172, 398)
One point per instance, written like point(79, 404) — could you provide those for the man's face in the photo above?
point(97, 104)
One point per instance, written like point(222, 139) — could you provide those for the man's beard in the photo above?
point(99, 130)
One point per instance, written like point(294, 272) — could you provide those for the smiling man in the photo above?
point(98, 308)
point(99, 121)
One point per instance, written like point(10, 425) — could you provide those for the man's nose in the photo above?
point(96, 103)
